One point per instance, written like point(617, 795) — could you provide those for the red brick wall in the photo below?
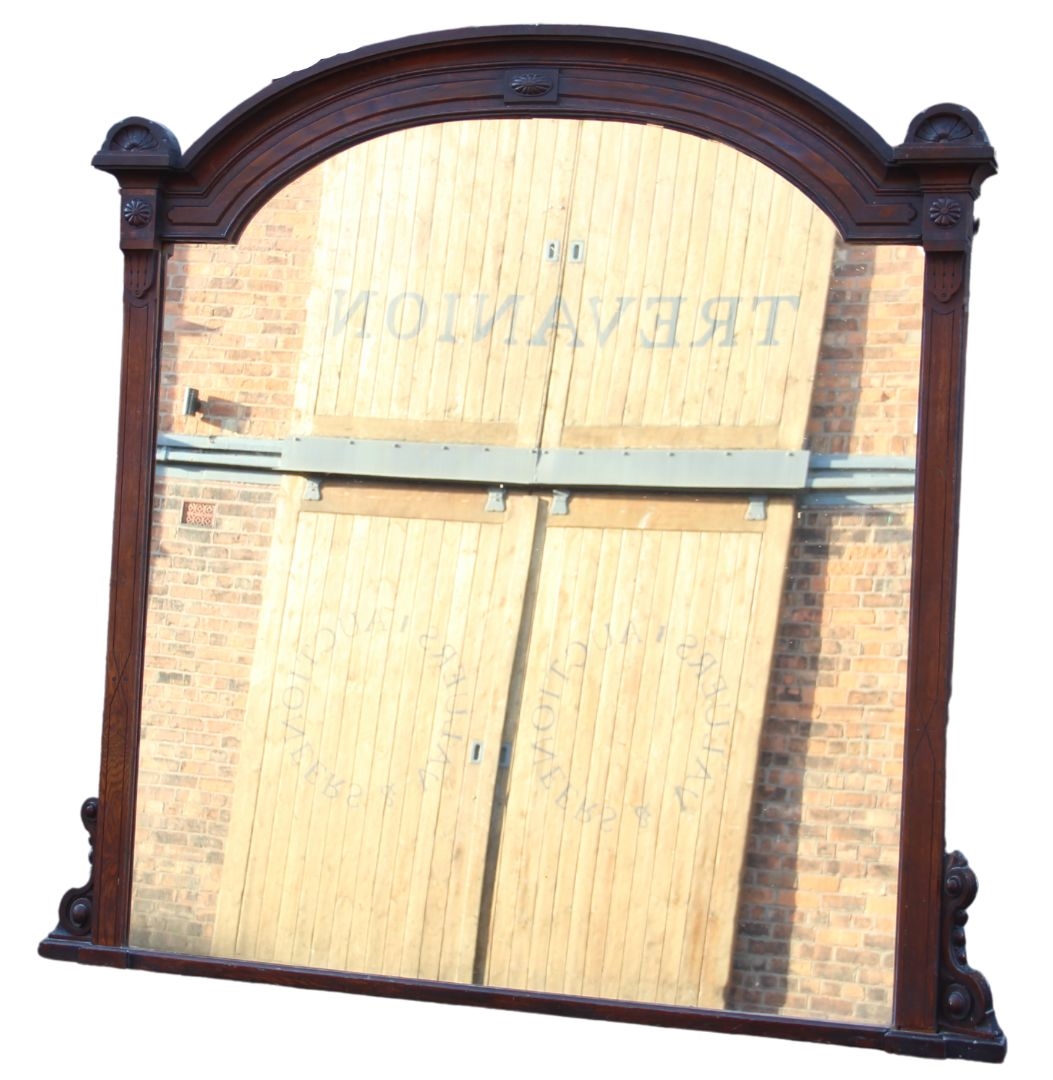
point(206, 587)
point(234, 322)
point(817, 912)
point(234, 329)
point(817, 906)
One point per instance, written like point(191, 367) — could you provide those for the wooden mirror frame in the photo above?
point(920, 193)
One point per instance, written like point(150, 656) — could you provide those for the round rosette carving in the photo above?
point(945, 212)
point(531, 84)
point(137, 212)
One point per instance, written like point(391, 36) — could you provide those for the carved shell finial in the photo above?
point(943, 127)
point(136, 142)
point(136, 138)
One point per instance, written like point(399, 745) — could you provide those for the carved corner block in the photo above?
point(949, 148)
point(138, 151)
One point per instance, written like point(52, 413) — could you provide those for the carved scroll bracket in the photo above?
point(965, 1006)
point(75, 908)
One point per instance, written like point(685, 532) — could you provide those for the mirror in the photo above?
point(529, 601)
point(517, 744)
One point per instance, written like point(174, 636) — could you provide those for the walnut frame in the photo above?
point(921, 192)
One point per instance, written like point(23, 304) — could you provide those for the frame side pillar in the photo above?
point(140, 154)
point(949, 151)
point(951, 1000)
point(143, 298)
point(932, 619)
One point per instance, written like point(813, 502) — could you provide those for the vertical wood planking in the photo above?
point(606, 318)
point(358, 723)
point(614, 551)
point(444, 315)
point(813, 231)
point(612, 832)
point(630, 854)
point(500, 594)
point(706, 814)
point(331, 228)
point(316, 934)
point(686, 206)
point(226, 934)
point(614, 374)
point(697, 303)
point(291, 884)
point(361, 820)
point(424, 246)
point(721, 278)
point(716, 936)
point(666, 231)
point(583, 203)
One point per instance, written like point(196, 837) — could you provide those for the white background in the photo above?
point(67, 75)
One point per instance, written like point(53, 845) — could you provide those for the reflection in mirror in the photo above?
point(530, 577)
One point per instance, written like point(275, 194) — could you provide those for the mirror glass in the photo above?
point(530, 577)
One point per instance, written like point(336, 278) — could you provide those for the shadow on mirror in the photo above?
point(530, 577)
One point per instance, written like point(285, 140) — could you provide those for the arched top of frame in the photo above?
point(872, 191)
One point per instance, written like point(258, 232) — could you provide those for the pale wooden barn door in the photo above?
point(634, 748)
point(516, 746)
point(436, 291)
point(697, 303)
point(380, 680)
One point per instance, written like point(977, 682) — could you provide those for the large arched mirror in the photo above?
point(535, 544)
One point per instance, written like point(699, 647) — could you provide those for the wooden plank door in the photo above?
point(364, 790)
point(562, 283)
point(698, 300)
point(635, 741)
point(544, 285)
point(434, 294)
